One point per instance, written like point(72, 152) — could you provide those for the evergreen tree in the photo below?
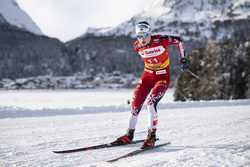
point(203, 63)
point(223, 70)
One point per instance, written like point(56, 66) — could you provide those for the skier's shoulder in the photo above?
point(156, 38)
point(170, 37)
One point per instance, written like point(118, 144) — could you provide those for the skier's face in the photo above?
point(144, 38)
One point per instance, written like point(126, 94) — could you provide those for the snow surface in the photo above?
point(73, 99)
point(16, 16)
point(214, 133)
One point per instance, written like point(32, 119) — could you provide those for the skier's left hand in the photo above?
point(184, 64)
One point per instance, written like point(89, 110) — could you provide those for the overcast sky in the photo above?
point(67, 19)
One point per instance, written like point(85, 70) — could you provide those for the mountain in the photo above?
point(216, 32)
point(196, 21)
point(25, 52)
point(2, 20)
point(192, 19)
point(14, 15)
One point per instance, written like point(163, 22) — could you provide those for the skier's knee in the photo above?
point(152, 101)
point(135, 111)
point(152, 107)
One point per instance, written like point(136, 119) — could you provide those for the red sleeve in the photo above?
point(174, 40)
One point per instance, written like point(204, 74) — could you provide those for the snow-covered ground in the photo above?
point(212, 133)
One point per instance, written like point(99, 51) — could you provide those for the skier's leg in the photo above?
point(140, 93)
point(155, 96)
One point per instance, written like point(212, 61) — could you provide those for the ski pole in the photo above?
point(193, 74)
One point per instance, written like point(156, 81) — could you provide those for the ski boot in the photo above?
point(125, 139)
point(150, 141)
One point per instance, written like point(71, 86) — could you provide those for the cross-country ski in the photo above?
point(100, 146)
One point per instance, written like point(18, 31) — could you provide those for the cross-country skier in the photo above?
point(154, 80)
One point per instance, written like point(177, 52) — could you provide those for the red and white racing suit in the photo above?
point(155, 77)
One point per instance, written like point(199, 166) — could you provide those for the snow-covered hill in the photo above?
point(2, 20)
point(201, 133)
point(14, 15)
point(190, 18)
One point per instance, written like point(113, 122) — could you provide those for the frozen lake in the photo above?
point(61, 99)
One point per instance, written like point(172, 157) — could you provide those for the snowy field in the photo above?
point(33, 123)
